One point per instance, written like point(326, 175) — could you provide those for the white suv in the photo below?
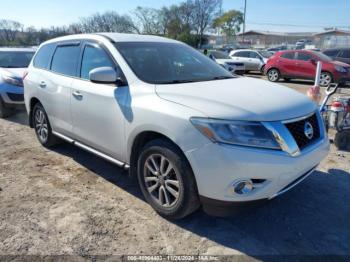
point(192, 133)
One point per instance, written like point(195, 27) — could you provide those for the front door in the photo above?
point(96, 109)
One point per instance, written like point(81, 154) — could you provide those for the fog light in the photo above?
point(243, 187)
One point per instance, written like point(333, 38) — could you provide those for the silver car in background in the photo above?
point(13, 63)
point(227, 62)
point(253, 60)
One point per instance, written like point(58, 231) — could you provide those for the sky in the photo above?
point(269, 15)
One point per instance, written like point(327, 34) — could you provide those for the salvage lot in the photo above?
point(67, 201)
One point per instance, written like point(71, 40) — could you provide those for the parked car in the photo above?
point(191, 132)
point(302, 64)
point(339, 54)
point(13, 62)
point(253, 60)
point(227, 62)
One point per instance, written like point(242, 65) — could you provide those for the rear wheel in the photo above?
point(5, 111)
point(326, 79)
point(273, 75)
point(166, 180)
point(42, 127)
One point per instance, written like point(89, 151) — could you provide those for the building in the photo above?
point(332, 38)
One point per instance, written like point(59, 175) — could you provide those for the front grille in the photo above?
point(297, 129)
point(16, 97)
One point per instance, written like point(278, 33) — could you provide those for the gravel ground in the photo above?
point(68, 202)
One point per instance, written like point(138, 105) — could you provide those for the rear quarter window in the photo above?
point(43, 57)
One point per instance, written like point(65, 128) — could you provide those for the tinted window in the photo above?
point(331, 52)
point(43, 57)
point(170, 63)
point(242, 54)
point(93, 58)
point(289, 55)
point(345, 54)
point(304, 56)
point(219, 55)
point(15, 59)
point(65, 60)
point(254, 55)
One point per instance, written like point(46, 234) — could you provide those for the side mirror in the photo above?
point(105, 75)
point(313, 61)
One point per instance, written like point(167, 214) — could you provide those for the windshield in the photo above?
point(169, 63)
point(219, 55)
point(265, 54)
point(322, 56)
point(15, 59)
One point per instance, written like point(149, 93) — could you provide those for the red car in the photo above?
point(301, 64)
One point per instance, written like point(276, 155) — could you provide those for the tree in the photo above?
point(230, 22)
point(204, 12)
point(149, 20)
point(9, 30)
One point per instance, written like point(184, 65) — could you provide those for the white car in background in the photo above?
point(227, 62)
point(253, 60)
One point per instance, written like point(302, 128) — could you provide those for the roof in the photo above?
point(17, 49)
point(334, 31)
point(259, 32)
point(115, 37)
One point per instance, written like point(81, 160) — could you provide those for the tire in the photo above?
point(170, 188)
point(42, 127)
point(273, 75)
point(5, 111)
point(342, 140)
point(326, 79)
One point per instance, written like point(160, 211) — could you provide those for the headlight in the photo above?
point(242, 133)
point(13, 80)
point(340, 69)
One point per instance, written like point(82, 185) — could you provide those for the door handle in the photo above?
point(42, 84)
point(77, 95)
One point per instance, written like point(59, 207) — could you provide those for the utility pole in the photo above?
point(244, 16)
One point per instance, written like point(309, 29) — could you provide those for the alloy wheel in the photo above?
point(325, 79)
point(41, 126)
point(161, 180)
point(273, 75)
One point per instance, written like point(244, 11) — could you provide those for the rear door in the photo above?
point(243, 56)
point(255, 61)
point(98, 119)
point(305, 68)
point(55, 84)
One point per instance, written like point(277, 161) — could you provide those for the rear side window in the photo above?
point(65, 60)
point(254, 55)
point(43, 57)
point(304, 56)
point(345, 54)
point(331, 53)
point(93, 58)
point(289, 55)
point(242, 54)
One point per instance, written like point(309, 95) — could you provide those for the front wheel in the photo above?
point(42, 127)
point(273, 75)
point(166, 180)
point(326, 79)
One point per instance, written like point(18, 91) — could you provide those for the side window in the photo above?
point(289, 55)
point(43, 57)
point(345, 54)
point(304, 56)
point(331, 53)
point(254, 55)
point(65, 60)
point(242, 54)
point(93, 58)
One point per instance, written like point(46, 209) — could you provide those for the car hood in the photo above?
point(16, 72)
point(239, 98)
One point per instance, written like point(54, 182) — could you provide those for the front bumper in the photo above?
point(12, 95)
point(218, 167)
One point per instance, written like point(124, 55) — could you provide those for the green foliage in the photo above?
point(230, 22)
